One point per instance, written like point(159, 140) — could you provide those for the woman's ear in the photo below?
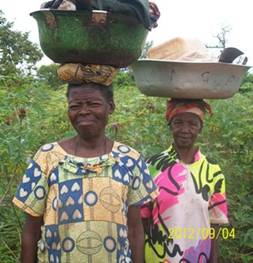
point(111, 107)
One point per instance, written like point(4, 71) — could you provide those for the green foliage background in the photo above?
point(34, 113)
point(137, 121)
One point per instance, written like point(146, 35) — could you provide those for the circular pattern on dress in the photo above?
point(40, 192)
point(109, 244)
point(68, 244)
point(110, 200)
point(124, 149)
point(136, 183)
point(47, 147)
point(89, 242)
point(91, 198)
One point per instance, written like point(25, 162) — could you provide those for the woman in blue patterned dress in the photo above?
point(82, 194)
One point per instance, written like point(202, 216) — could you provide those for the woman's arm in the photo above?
point(135, 234)
point(214, 245)
point(30, 236)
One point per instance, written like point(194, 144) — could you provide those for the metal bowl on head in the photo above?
point(192, 80)
point(90, 37)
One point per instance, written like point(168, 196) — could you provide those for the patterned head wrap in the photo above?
point(196, 106)
point(78, 73)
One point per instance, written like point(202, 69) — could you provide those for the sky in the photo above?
point(201, 19)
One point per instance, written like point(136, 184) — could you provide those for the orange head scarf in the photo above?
point(196, 106)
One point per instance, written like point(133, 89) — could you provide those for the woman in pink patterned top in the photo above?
point(179, 224)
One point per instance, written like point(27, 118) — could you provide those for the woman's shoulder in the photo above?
point(125, 150)
point(49, 155)
point(211, 165)
point(168, 155)
point(49, 148)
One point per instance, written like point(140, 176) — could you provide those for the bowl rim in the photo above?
point(79, 13)
point(64, 12)
point(177, 62)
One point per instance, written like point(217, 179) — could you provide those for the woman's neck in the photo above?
point(90, 143)
point(91, 147)
point(186, 154)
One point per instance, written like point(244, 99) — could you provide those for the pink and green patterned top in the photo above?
point(192, 197)
point(84, 202)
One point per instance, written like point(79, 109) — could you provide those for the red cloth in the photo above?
point(177, 106)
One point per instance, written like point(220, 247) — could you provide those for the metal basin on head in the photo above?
point(189, 80)
point(90, 37)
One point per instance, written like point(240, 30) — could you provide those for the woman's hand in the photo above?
point(30, 236)
point(135, 234)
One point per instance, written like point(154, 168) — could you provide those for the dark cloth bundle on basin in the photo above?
point(136, 8)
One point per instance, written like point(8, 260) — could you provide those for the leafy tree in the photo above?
point(48, 75)
point(17, 53)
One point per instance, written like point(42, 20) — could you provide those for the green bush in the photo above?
point(123, 78)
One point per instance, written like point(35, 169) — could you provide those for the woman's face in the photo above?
point(88, 111)
point(185, 128)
